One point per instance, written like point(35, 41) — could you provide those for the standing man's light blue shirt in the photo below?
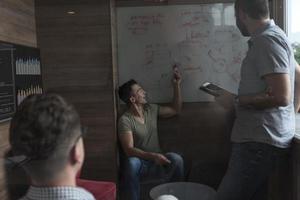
point(269, 53)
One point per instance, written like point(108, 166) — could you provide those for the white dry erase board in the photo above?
point(201, 39)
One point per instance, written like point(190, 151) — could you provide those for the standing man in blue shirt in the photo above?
point(265, 120)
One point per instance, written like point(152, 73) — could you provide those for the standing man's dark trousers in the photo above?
point(250, 166)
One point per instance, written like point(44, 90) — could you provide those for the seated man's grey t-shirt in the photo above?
point(144, 135)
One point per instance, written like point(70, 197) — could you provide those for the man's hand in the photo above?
point(176, 75)
point(160, 159)
point(226, 99)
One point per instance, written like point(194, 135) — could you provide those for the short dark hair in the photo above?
point(44, 129)
point(256, 9)
point(125, 91)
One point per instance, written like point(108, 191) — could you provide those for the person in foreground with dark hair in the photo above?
point(137, 130)
point(46, 131)
point(265, 118)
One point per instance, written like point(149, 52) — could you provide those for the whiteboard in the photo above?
point(201, 39)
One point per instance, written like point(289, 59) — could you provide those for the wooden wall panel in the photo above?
point(76, 54)
point(201, 133)
point(4, 146)
point(17, 25)
point(278, 13)
point(17, 19)
point(3, 138)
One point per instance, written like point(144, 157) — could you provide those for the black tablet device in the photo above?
point(211, 89)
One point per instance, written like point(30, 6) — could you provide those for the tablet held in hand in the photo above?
point(211, 89)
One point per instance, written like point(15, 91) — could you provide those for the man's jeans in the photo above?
point(135, 170)
point(249, 168)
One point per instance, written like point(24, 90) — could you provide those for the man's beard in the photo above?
point(242, 27)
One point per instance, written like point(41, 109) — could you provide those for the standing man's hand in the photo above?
point(160, 159)
point(176, 75)
point(226, 99)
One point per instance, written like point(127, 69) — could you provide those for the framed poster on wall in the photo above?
point(20, 76)
point(7, 84)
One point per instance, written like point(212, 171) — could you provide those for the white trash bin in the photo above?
point(184, 191)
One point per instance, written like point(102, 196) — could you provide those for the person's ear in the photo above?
point(132, 99)
point(76, 153)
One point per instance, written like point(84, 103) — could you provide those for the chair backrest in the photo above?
point(78, 173)
point(101, 190)
point(16, 180)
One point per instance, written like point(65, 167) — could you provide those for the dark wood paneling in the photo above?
point(17, 25)
point(201, 133)
point(4, 146)
point(18, 22)
point(3, 190)
point(76, 54)
point(278, 13)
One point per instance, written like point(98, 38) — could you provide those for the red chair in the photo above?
point(100, 189)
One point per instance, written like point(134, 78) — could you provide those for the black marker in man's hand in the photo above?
point(176, 74)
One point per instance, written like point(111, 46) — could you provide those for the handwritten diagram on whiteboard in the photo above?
point(201, 39)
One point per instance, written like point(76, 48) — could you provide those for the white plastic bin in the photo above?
point(184, 191)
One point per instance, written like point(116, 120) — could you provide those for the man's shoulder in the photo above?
point(271, 36)
point(263, 39)
point(125, 119)
point(271, 43)
point(125, 115)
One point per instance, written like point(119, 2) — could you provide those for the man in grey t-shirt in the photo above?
point(265, 123)
point(137, 130)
